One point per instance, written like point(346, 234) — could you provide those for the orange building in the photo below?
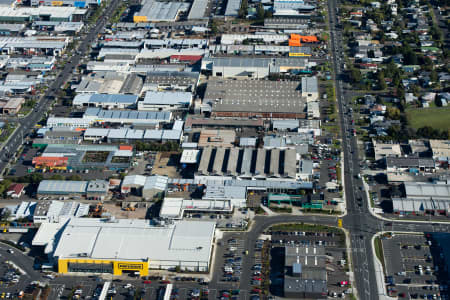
point(51, 162)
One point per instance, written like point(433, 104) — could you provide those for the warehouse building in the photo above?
point(198, 10)
point(216, 138)
point(440, 149)
point(249, 163)
point(35, 45)
point(144, 186)
point(232, 8)
point(410, 164)
point(171, 80)
point(101, 116)
point(255, 98)
point(54, 211)
point(174, 208)
point(97, 245)
point(272, 39)
point(192, 122)
point(423, 198)
point(310, 89)
point(246, 67)
point(165, 101)
point(49, 13)
point(111, 101)
point(306, 273)
point(156, 11)
point(85, 157)
point(65, 3)
point(66, 189)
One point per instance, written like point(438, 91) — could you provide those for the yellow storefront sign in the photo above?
point(298, 54)
point(57, 3)
point(139, 19)
point(118, 266)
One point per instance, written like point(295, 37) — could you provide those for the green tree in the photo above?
point(260, 13)
point(381, 81)
point(242, 13)
point(355, 75)
point(214, 27)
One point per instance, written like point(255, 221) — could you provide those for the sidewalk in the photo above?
point(379, 273)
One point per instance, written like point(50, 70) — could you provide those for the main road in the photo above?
point(27, 123)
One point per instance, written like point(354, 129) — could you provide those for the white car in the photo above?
point(10, 251)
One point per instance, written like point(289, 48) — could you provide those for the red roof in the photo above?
point(125, 147)
point(181, 57)
point(50, 161)
point(17, 188)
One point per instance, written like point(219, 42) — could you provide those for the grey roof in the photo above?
point(247, 141)
point(217, 192)
point(285, 124)
point(198, 9)
point(61, 187)
point(254, 96)
point(256, 62)
point(299, 285)
point(161, 11)
point(98, 186)
point(168, 98)
point(232, 7)
point(119, 133)
point(104, 98)
point(153, 134)
point(410, 162)
point(156, 182)
point(427, 190)
point(270, 184)
point(310, 84)
point(135, 134)
point(172, 134)
point(127, 114)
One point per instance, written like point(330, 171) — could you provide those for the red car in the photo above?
point(257, 278)
point(147, 281)
point(165, 281)
point(256, 291)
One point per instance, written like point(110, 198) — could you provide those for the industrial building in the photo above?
point(54, 211)
point(156, 11)
point(116, 246)
point(111, 101)
point(440, 149)
point(165, 101)
point(273, 39)
point(246, 67)
point(192, 122)
point(216, 138)
point(97, 115)
point(66, 189)
point(232, 8)
point(65, 3)
point(34, 45)
point(107, 82)
point(423, 198)
point(171, 80)
point(255, 98)
point(306, 273)
point(249, 163)
point(198, 9)
point(85, 157)
point(310, 89)
point(51, 13)
point(144, 186)
point(174, 208)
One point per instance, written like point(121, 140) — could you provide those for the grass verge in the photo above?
point(436, 117)
point(379, 251)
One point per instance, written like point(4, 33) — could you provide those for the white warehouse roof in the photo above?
point(131, 239)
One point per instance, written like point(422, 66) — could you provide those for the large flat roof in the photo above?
point(254, 96)
point(135, 240)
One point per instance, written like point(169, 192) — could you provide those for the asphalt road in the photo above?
point(27, 123)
